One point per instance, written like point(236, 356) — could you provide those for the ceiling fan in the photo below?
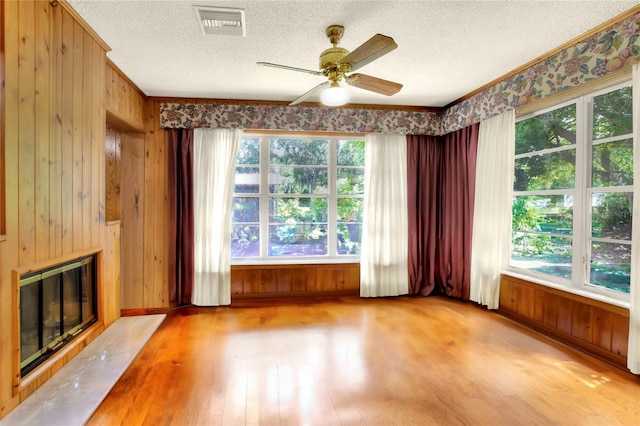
point(337, 63)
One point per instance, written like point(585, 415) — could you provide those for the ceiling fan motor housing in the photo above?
point(332, 56)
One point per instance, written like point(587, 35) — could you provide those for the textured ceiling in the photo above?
point(446, 49)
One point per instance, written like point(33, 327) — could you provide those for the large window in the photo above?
point(573, 192)
point(297, 197)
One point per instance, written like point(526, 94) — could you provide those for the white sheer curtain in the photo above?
point(633, 353)
point(214, 159)
point(384, 255)
point(491, 239)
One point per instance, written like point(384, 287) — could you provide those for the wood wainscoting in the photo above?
point(595, 327)
point(262, 282)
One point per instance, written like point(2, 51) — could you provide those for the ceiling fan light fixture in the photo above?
point(335, 95)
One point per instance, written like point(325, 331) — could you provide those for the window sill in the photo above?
point(295, 261)
point(587, 294)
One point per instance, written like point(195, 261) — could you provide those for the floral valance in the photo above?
point(279, 117)
point(604, 52)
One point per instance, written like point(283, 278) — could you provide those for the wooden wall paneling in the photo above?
point(236, 281)
point(150, 187)
point(564, 315)
point(602, 328)
point(506, 295)
point(160, 208)
point(329, 278)
point(26, 133)
point(112, 174)
point(51, 135)
point(283, 280)
point(124, 102)
point(250, 281)
point(108, 79)
point(86, 196)
point(298, 280)
point(590, 325)
point(620, 334)
point(67, 197)
point(3, 227)
point(524, 300)
point(78, 143)
point(9, 249)
point(55, 129)
point(550, 309)
point(581, 318)
point(112, 260)
point(98, 133)
point(351, 277)
point(268, 281)
point(311, 279)
point(167, 254)
point(42, 117)
point(133, 221)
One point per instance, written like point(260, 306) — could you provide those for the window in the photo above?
point(297, 197)
point(573, 193)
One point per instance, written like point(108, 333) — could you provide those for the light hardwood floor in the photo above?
point(354, 361)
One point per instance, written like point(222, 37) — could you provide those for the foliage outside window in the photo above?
point(573, 193)
point(297, 197)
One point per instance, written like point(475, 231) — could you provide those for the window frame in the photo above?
point(264, 196)
point(582, 209)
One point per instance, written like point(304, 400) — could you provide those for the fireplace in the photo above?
point(56, 305)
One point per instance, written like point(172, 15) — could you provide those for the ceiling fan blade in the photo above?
point(373, 84)
point(285, 67)
point(310, 92)
point(369, 51)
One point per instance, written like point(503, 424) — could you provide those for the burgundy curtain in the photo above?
point(441, 185)
point(181, 214)
point(423, 193)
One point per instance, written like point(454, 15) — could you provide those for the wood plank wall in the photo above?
point(124, 102)
point(595, 327)
point(252, 282)
point(3, 227)
point(54, 166)
point(112, 175)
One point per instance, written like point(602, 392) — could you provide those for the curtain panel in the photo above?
point(441, 188)
point(181, 215)
point(214, 156)
point(491, 241)
point(383, 258)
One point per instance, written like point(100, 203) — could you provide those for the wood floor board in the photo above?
point(354, 361)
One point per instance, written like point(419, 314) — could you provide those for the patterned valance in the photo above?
point(279, 117)
point(604, 52)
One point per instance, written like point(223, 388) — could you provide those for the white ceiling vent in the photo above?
point(221, 20)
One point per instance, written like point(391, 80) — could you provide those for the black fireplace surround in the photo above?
point(56, 305)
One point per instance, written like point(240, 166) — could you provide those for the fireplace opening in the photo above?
point(56, 305)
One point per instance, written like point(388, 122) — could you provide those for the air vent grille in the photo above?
point(221, 21)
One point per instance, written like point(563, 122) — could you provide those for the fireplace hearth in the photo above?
point(56, 305)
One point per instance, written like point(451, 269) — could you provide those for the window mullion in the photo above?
point(264, 196)
point(581, 227)
point(332, 201)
